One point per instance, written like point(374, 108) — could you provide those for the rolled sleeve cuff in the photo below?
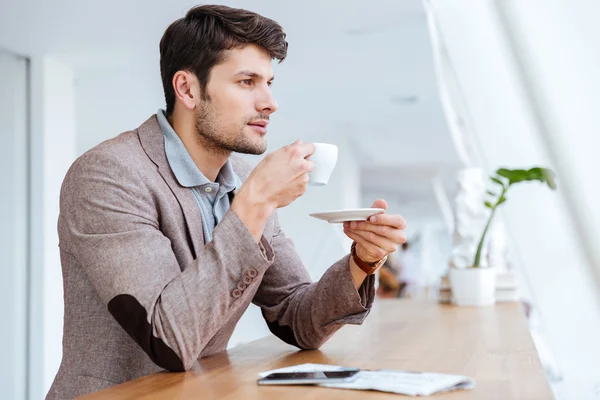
point(266, 249)
point(351, 306)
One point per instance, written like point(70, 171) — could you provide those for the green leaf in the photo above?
point(549, 177)
point(520, 175)
point(543, 175)
point(489, 205)
point(498, 181)
point(536, 173)
point(502, 200)
point(491, 193)
point(506, 173)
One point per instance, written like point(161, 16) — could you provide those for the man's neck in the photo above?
point(208, 160)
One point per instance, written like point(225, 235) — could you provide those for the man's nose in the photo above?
point(267, 104)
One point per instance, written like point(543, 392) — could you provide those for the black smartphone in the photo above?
point(310, 378)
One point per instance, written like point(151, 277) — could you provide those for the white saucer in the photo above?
point(339, 216)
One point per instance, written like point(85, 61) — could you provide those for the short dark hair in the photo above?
point(196, 42)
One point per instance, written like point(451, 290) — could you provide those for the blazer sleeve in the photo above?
point(306, 314)
point(110, 225)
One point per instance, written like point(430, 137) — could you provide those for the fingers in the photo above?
point(308, 165)
point(380, 203)
point(393, 220)
point(307, 149)
point(385, 244)
point(300, 149)
point(304, 167)
point(390, 220)
point(302, 180)
point(373, 252)
point(393, 234)
point(300, 183)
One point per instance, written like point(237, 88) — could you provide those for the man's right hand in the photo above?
point(276, 181)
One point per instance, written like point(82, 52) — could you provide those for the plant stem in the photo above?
point(480, 246)
point(487, 226)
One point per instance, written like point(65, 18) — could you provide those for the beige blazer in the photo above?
point(144, 293)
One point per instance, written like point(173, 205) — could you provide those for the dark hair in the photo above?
point(196, 43)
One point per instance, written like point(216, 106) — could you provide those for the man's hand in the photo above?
point(375, 238)
point(276, 181)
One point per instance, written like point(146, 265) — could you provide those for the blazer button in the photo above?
point(236, 293)
point(247, 280)
point(252, 273)
point(242, 286)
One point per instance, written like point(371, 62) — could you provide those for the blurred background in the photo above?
point(414, 93)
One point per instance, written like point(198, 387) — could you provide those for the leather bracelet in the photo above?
point(368, 268)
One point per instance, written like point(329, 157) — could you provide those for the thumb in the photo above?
point(380, 203)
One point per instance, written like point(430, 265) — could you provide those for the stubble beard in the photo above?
point(216, 141)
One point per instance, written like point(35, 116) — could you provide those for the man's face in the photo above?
point(234, 112)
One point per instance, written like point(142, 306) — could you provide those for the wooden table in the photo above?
point(490, 344)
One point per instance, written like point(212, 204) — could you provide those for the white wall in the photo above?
point(560, 60)
point(13, 225)
point(556, 44)
point(544, 236)
point(53, 151)
point(114, 100)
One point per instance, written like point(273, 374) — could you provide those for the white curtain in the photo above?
point(457, 116)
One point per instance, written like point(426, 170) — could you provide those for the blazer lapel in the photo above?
point(152, 140)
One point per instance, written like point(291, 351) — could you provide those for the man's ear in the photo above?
point(187, 89)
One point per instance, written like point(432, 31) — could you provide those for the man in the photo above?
point(166, 238)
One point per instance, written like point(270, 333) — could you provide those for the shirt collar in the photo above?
point(183, 166)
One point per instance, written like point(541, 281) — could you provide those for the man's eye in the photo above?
point(246, 82)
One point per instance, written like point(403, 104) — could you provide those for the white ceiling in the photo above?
point(125, 26)
point(357, 68)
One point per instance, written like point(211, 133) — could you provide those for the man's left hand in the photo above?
point(377, 237)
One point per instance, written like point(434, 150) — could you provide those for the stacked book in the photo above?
point(506, 288)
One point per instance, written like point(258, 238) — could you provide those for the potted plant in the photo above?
point(476, 285)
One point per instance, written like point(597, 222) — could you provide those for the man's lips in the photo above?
point(260, 122)
point(260, 125)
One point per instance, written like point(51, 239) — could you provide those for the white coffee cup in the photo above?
point(325, 158)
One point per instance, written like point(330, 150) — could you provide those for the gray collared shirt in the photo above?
point(212, 197)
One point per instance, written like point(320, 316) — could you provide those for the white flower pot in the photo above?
point(473, 286)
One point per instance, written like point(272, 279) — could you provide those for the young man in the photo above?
point(166, 237)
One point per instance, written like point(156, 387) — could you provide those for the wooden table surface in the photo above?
point(490, 344)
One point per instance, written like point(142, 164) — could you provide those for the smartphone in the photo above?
point(310, 378)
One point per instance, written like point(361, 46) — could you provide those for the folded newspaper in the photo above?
point(391, 381)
